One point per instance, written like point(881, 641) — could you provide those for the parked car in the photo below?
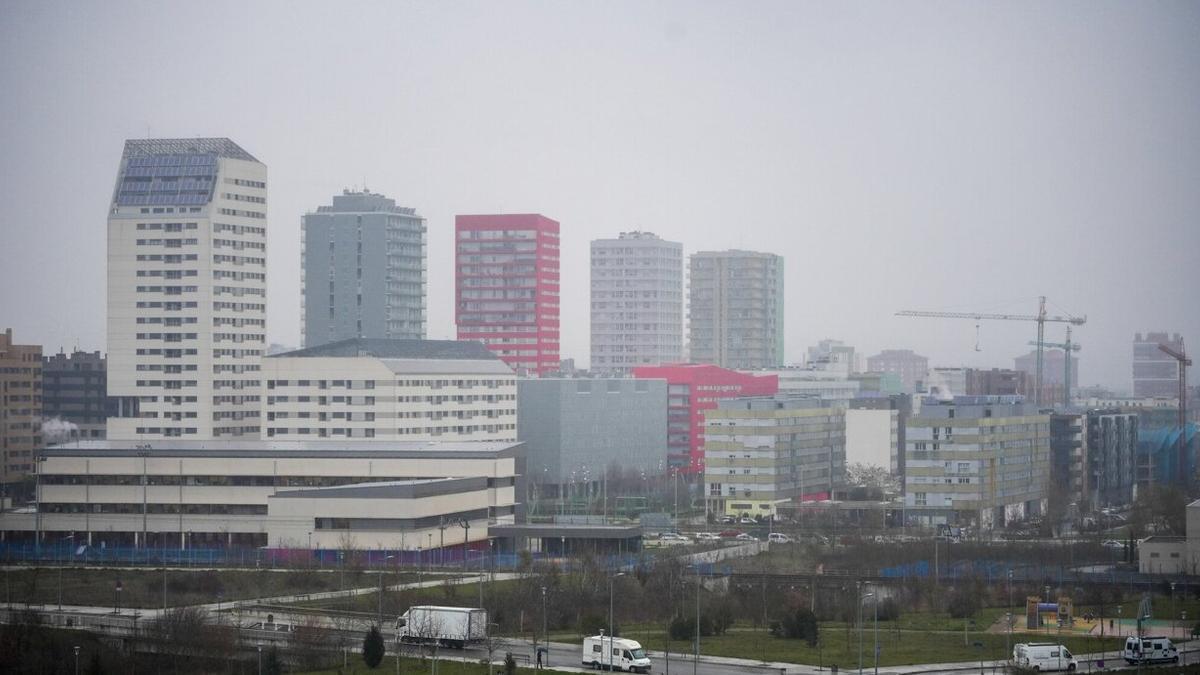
point(1113, 543)
point(707, 536)
point(675, 538)
point(745, 536)
point(747, 520)
point(779, 538)
point(728, 520)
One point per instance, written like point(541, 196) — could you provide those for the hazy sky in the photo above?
point(962, 155)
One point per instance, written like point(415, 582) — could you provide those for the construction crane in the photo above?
point(1067, 347)
point(1184, 362)
point(1041, 318)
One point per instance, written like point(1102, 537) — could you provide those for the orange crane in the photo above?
point(1041, 318)
point(1184, 362)
point(1068, 347)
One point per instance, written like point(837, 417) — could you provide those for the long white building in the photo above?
point(636, 302)
point(404, 390)
point(187, 286)
point(252, 493)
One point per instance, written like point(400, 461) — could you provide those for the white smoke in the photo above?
point(939, 387)
point(56, 430)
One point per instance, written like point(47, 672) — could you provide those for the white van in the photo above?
point(1044, 656)
point(1151, 650)
point(779, 538)
point(623, 654)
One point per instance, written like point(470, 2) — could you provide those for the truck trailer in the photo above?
point(454, 627)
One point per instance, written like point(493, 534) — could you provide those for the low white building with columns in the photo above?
point(279, 494)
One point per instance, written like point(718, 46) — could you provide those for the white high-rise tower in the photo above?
point(637, 302)
point(187, 286)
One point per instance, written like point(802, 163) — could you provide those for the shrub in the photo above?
point(889, 610)
point(682, 628)
point(799, 623)
point(962, 603)
point(373, 648)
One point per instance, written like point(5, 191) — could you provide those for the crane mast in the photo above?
point(1067, 347)
point(1041, 318)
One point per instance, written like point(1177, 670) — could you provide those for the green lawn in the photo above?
point(439, 594)
point(416, 666)
point(840, 646)
point(144, 588)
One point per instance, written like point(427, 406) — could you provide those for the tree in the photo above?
point(373, 648)
point(272, 665)
point(510, 664)
point(800, 623)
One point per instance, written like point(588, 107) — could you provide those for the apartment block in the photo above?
point(396, 390)
point(998, 382)
point(907, 364)
point(1054, 374)
point(363, 270)
point(74, 396)
point(766, 451)
point(693, 389)
point(636, 303)
point(20, 408)
point(982, 461)
point(507, 287)
point(1155, 374)
point(187, 286)
point(579, 430)
point(736, 308)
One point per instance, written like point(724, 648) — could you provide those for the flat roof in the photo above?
point(274, 448)
point(398, 489)
point(398, 349)
point(568, 531)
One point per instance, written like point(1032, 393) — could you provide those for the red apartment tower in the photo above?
point(506, 287)
point(693, 388)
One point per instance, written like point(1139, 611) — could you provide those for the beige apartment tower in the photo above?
point(187, 286)
point(20, 407)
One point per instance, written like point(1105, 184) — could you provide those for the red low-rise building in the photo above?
point(693, 388)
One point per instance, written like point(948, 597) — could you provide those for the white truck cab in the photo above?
point(1150, 650)
point(1044, 656)
point(604, 652)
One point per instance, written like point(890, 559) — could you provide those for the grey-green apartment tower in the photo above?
point(363, 270)
point(735, 318)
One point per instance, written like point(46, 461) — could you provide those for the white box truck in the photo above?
point(1044, 656)
point(1150, 650)
point(604, 652)
point(446, 626)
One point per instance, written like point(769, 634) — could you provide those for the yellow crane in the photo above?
point(1068, 347)
point(1041, 318)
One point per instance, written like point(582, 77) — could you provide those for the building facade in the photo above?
point(507, 287)
point(252, 493)
point(74, 396)
point(693, 389)
point(575, 431)
point(736, 307)
point(910, 366)
point(1054, 374)
point(20, 408)
point(767, 451)
point(399, 390)
point(637, 303)
point(1155, 373)
point(997, 382)
point(362, 270)
point(187, 286)
point(981, 461)
point(830, 354)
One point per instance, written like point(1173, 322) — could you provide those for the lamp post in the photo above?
point(861, 597)
point(1008, 616)
point(379, 616)
point(76, 659)
point(696, 654)
point(260, 657)
point(545, 635)
point(117, 595)
point(611, 635)
point(1174, 626)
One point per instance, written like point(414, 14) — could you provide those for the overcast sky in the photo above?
point(961, 156)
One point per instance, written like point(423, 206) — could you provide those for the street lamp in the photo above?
point(1008, 616)
point(117, 595)
point(545, 635)
point(861, 597)
point(260, 657)
point(610, 617)
point(76, 659)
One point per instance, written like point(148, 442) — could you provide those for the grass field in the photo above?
point(414, 666)
point(839, 645)
point(144, 588)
